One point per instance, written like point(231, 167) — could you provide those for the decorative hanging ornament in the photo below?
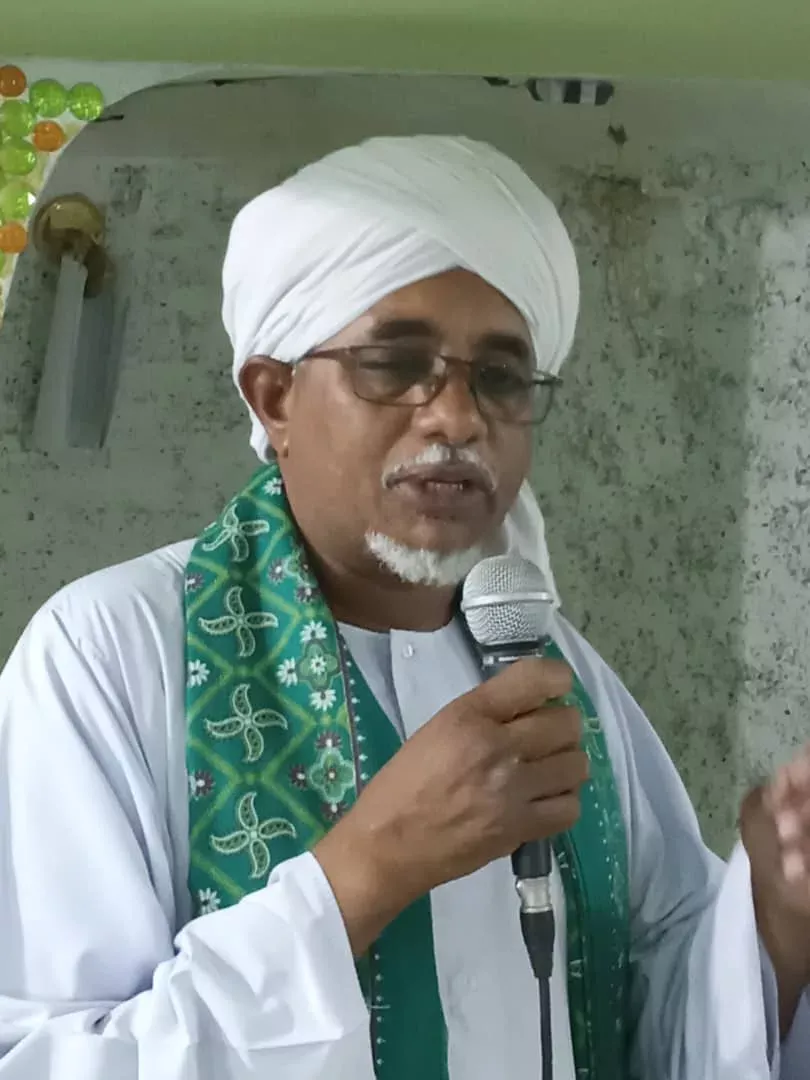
point(37, 121)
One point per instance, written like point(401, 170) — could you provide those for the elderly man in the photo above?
point(257, 809)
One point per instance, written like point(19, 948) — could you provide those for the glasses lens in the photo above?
point(394, 374)
point(506, 391)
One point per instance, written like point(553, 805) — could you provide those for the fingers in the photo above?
point(550, 817)
point(544, 732)
point(562, 774)
point(524, 687)
point(794, 849)
point(787, 798)
point(792, 822)
point(791, 784)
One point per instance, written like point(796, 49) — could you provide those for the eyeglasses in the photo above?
point(411, 374)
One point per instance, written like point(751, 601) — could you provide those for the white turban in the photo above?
point(310, 256)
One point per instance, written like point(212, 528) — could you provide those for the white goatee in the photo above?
point(420, 566)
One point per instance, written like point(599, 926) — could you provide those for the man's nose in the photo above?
point(453, 416)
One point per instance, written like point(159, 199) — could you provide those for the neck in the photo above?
point(381, 602)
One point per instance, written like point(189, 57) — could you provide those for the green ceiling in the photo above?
point(721, 38)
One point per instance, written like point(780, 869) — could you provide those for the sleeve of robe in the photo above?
point(703, 987)
point(93, 983)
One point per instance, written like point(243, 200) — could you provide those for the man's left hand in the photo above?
point(775, 824)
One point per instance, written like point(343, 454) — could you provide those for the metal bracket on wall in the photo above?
point(73, 225)
point(596, 92)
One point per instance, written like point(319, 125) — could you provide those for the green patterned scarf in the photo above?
point(283, 734)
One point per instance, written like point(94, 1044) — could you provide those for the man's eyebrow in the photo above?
point(512, 344)
point(499, 341)
point(395, 329)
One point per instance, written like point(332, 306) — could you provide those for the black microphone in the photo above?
point(508, 608)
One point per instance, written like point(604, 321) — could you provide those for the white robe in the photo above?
point(102, 976)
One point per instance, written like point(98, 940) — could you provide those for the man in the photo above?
point(256, 807)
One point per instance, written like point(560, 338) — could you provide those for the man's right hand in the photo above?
point(497, 767)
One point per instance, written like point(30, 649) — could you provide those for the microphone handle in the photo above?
point(497, 658)
point(532, 860)
point(531, 864)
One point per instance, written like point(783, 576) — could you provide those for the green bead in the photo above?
point(16, 200)
point(49, 98)
point(86, 102)
point(17, 158)
point(17, 118)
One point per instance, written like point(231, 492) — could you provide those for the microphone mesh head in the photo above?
point(506, 601)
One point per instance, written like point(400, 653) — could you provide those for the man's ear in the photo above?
point(267, 386)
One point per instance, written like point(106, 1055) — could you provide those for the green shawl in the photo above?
point(283, 733)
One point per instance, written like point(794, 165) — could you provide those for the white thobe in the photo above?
point(102, 975)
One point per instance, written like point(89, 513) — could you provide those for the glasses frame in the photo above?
point(349, 355)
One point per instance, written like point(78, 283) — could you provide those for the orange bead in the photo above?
point(48, 136)
point(12, 81)
point(13, 238)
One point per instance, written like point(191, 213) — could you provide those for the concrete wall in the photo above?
point(675, 471)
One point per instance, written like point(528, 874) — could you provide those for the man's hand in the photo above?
point(497, 767)
point(776, 832)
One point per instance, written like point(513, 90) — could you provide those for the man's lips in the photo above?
point(445, 492)
point(461, 478)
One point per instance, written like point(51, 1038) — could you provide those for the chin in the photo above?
point(415, 564)
point(442, 535)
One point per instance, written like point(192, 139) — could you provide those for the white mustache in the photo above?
point(439, 454)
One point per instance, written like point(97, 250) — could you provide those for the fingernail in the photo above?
point(788, 825)
point(793, 866)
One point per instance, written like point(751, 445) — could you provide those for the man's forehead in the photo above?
point(455, 305)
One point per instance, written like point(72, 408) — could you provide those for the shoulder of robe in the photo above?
point(577, 650)
point(119, 608)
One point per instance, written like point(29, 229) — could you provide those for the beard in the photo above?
point(421, 566)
